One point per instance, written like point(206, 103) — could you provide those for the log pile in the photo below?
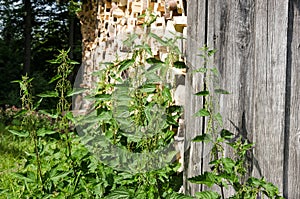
point(107, 23)
point(112, 21)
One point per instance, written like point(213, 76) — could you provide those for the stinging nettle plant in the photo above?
point(225, 171)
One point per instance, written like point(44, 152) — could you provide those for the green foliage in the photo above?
point(50, 31)
point(225, 171)
point(60, 165)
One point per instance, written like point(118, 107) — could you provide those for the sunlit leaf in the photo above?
point(48, 94)
point(206, 178)
point(202, 93)
point(202, 113)
point(55, 78)
point(43, 132)
point(202, 138)
point(19, 133)
point(126, 64)
point(207, 195)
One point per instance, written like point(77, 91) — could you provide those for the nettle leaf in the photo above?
point(76, 91)
point(37, 104)
point(120, 193)
point(43, 132)
point(157, 38)
point(179, 64)
point(154, 61)
point(19, 133)
point(167, 93)
point(222, 91)
point(228, 164)
point(226, 134)
point(175, 195)
point(219, 118)
point(202, 93)
point(126, 64)
point(105, 116)
point(22, 176)
point(202, 138)
point(145, 47)
point(69, 116)
point(202, 113)
point(101, 97)
point(148, 88)
point(207, 195)
point(48, 94)
point(206, 178)
point(60, 176)
point(55, 78)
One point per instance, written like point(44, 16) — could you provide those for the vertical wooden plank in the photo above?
point(195, 40)
point(269, 85)
point(231, 27)
point(291, 178)
point(251, 38)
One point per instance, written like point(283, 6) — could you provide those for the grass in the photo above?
point(12, 153)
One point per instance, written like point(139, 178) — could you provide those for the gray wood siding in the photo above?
point(258, 53)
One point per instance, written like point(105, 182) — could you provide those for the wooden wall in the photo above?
point(258, 56)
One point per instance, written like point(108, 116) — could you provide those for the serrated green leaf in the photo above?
point(43, 132)
point(219, 119)
point(19, 133)
point(105, 116)
point(60, 176)
point(228, 164)
point(103, 97)
point(154, 61)
point(76, 92)
point(202, 93)
point(207, 195)
point(16, 81)
point(179, 64)
point(157, 38)
point(167, 93)
point(202, 113)
point(126, 64)
point(226, 134)
point(37, 104)
point(202, 138)
point(73, 62)
point(22, 176)
point(48, 94)
point(148, 88)
point(175, 195)
point(56, 77)
point(206, 178)
point(53, 116)
point(155, 67)
point(120, 193)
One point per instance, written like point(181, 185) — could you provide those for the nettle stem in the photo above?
point(29, 121)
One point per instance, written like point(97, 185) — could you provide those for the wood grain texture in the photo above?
point(292, 166)
point(257, 45)
point(195, 40)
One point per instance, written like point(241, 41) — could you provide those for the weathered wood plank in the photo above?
point(292, 149)
point(195, 40)
point(270, 79)
point(251, 39)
